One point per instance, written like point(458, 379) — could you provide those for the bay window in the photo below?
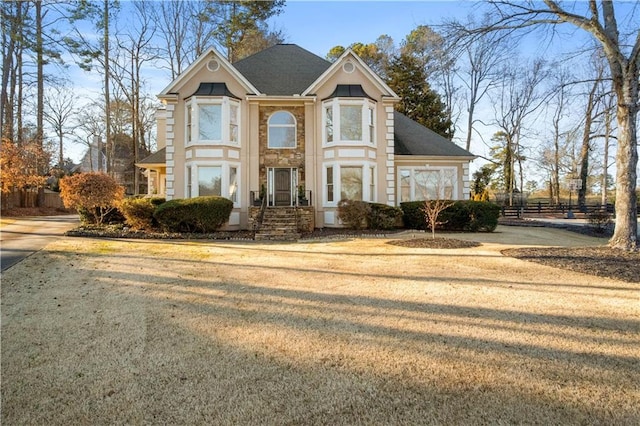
point(353, 181)
point(220, 180)
point(212, 121)
point(349, 121)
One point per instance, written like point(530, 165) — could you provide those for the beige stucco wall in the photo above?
point(310, 156)
point(381, 154)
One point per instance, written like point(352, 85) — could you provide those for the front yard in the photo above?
point(356, 331)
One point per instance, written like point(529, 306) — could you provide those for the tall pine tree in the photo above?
point(418, 101)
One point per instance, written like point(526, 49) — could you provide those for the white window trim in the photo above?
point(412, 181)
point(295, 130)
point(337, 183)
point(226, 169)
point(225, 120)
point(335, 104)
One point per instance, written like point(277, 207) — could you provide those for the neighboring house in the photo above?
point(285, 123)
point(92, 160)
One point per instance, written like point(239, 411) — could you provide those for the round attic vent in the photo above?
point(348, 67)
point(213, 65)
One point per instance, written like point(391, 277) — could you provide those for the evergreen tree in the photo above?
point(418, 101)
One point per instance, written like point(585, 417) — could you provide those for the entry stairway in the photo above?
point(278, 224)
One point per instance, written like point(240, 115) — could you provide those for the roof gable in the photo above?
point(201, 62)
point(347, 56)
point(412, 138)
point(282, 70)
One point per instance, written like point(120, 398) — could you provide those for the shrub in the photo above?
point(354, 214)
point(483, 216)
point(599, 221)
point(471, 216)
point(455, 217)
point(94, 195)
point(382, 216)
point(200, 214)
point(138, 212)
point(413, 215)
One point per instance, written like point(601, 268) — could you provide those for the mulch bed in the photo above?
point(601, 261)
point(435, 243)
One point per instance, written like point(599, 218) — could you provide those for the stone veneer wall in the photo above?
point(305, 217)
point(281, 157)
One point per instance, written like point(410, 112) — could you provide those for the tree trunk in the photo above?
point(42, 167)
point(8, 45)
point(470, 111)
point(107, 95)
point(625, 235)
point(605, 163)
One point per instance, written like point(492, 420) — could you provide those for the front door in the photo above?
point(282, 187)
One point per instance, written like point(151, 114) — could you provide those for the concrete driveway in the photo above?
point(25, 235)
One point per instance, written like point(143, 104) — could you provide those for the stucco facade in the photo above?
point(329, 134)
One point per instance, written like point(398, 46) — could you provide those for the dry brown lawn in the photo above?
point(356, 331)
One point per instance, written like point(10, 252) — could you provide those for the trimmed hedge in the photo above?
point(364, 215)
point(384, 217)
point(354, 214)
point(200, 214)
point(470, 216)
point(138, 212)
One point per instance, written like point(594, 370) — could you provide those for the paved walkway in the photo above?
point(564, 221)
point(26, 235)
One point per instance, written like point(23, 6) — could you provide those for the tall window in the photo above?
point(372, 129)
point(212, 121)
point(282, 130)
point(349, 121)
point(233, 123)
point(372, 184)
point(189, 180)
point(328, 123)
point(330, 185)
point(209, 180)
point(351, 183)
point(189, 121)
point(405, 185)
point(233, 184)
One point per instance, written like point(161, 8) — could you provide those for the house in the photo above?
point(288, 128)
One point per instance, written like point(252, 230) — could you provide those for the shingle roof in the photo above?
point(158, 157)
point(412, 138)
point(283, 69)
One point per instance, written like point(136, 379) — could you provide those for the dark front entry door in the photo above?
point(282, 187)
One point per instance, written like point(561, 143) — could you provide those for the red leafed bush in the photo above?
point(93, 194)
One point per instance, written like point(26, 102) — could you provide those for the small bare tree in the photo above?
point(432, 210)
point(433, 191)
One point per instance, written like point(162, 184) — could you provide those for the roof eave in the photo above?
point(202, 58)
point(325, 75)
point(443, 158)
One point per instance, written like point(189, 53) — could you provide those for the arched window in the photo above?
point(282, 130)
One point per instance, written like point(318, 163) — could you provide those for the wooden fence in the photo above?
point(546, 209)
point(30, 199)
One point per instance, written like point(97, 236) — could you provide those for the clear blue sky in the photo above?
point(319, 25)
